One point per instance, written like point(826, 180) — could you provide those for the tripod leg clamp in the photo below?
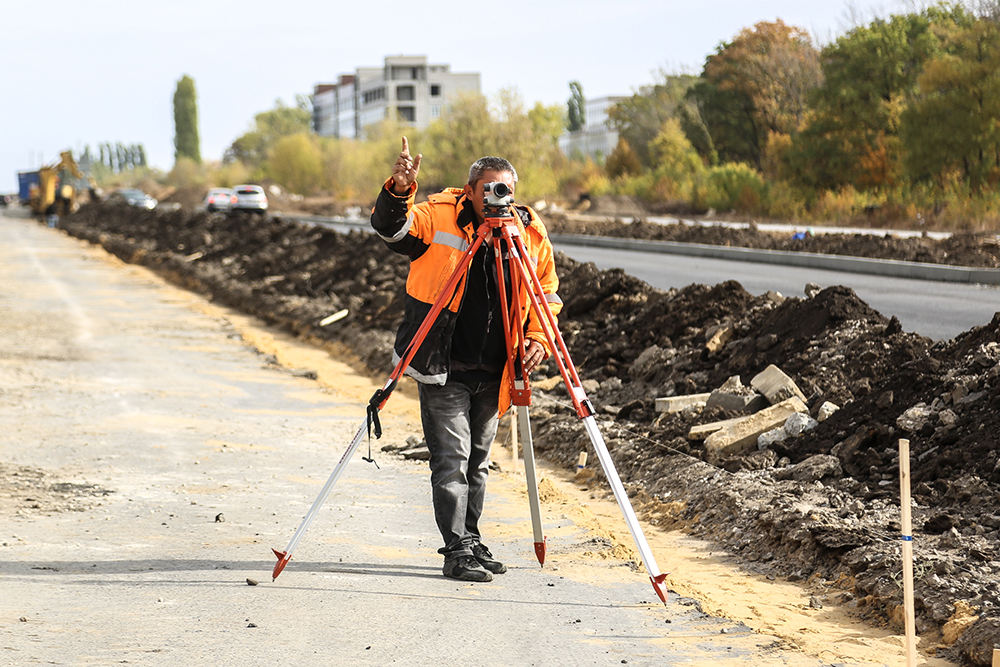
point(373, 421)
point(376, 402)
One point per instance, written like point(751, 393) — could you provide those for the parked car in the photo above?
point(131, 197)
point(218, 199)
point(248, 199)
point(7, 200)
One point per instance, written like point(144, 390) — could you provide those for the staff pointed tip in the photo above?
point(657, 582)
point(540, 551)
point(283, 558)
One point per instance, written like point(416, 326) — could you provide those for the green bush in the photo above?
point(187, 173)
point(355, 169)
point(786, 202)
point(296, 162)
point(736, 187)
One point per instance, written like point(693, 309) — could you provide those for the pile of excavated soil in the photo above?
point(979, 250)
point(824, 504)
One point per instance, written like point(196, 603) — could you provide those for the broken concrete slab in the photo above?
point(702, 431)
point(717, 339)
point(742, 436)
point(776, 386)
point(678, 403)
point(742, 402)
point(734, 395)
point(826, 410)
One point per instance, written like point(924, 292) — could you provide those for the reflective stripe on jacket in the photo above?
point(434, 235)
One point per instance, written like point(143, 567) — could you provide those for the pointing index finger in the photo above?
point(406, 147)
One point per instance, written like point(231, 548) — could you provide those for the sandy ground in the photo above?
point(136, 414)
point(767, 606)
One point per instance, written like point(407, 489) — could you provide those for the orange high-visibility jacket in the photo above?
point(434, 235)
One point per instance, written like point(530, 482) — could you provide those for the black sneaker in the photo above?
point(466, 568)
point(487, 560)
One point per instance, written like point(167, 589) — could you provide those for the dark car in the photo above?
point(131, 197)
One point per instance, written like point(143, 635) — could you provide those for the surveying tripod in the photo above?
point(500, 227)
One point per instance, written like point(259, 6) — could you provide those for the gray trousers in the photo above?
point(460, 423)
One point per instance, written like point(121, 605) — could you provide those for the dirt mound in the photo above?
point(823, 504)
point(979, 250)
point(188, 198)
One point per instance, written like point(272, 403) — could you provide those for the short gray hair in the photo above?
point(490, 163)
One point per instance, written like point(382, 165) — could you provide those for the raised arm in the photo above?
point(391, 215)
point(404, 172)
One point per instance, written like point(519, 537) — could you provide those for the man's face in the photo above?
point(475, 192)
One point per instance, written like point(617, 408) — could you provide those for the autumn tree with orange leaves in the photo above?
point(755, 86)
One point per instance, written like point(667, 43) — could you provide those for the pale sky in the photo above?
point(78, 73)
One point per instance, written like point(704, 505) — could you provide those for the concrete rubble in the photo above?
point(741, 436)
point(678, 403)
point(776, 386)
point(734, 395)
point(777, 413)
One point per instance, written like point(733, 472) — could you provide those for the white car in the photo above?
point(248, 199)
point(218, 199)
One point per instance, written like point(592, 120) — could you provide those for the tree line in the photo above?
point(900, 116)
point(895, 119)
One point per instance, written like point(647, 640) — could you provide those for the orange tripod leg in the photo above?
point(540, 308)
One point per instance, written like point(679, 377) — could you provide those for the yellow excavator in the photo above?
point(58, 187)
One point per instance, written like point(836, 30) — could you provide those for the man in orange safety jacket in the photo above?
point(460, 366)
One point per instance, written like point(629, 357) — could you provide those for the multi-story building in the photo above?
point(405, 88)
point(597, 138)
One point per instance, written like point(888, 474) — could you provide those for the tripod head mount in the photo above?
point(497, 200)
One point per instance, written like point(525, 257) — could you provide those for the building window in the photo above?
point(405, 93)
point(402, 73)
point(435, 90)
point(435, 111)
point(373, 96)
point(408, 114)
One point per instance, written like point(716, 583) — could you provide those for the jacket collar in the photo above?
point(467, 216)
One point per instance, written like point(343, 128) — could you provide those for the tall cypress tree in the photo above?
point(576, 110)
point(186, 143)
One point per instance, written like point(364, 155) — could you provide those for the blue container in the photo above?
point(25, 179)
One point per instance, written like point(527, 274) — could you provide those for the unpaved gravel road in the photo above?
point(155, 447)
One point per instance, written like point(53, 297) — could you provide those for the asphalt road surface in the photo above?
point(934, 309)
point(155, 448)
point(937, 310)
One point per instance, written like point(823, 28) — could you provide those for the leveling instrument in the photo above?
point(500, 229)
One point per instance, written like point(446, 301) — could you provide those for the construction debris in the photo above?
point(678, 403)
point(793, 426)
point(740, 436)
point(734, 395)
point(776, 386)
point(702, 431)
